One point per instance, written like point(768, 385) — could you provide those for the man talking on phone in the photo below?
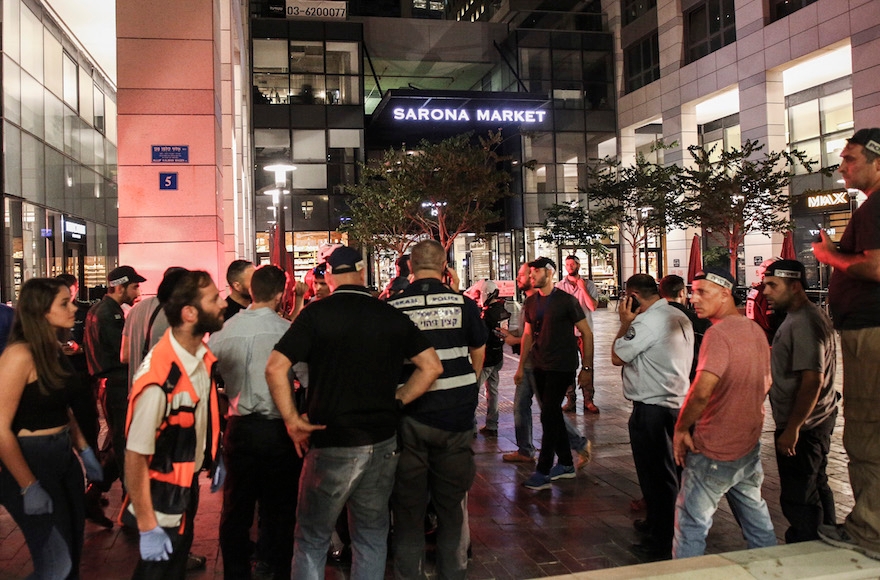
point(655, 347)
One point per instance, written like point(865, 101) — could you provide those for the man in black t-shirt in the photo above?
point(854, 296)
point(550, 317)
point(355, 347)
point(238, 278)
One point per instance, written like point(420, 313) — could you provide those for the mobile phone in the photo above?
point(634, 304)
point(818, 237)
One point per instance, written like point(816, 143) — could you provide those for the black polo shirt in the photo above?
point(103, 339)
point(355, 346)
point(855, 303)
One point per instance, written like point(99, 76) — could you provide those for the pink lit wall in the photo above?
point(169, 94)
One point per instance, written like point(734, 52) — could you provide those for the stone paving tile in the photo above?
point(579, 525)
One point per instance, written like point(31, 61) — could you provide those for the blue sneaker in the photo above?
point(562, 472)
point(538, 481)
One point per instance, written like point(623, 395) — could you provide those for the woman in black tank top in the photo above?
point(40, 474)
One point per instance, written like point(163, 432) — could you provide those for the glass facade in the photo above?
point(59, 163)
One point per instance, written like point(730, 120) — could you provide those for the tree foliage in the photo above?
point(571, 224)
point(738, 192)
point(640, 198)
point(438, 190)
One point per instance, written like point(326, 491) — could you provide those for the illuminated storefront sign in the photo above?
point(467, 116)
point(828, 199)
point(74, 230)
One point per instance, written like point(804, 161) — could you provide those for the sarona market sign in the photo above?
point(467, 116)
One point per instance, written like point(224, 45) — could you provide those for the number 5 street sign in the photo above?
point(167, 181)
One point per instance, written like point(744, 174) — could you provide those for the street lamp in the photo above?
point(280, 169)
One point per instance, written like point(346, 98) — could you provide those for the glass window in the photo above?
point(834, 144)
point(54, 116)
point(272, 141)
point(306, 56)
point(71, 80)
point(33, 185)
point(86, 95)
point(52, 55)
point(11, 91)
point(782, 8)
point(12, 159)
point(813, 149)
point(309, 146)
point(539, 147)
point(55, 179)
point(98, 108)
point(343, 90)
point(271, 89)
point(803, 120)
point(642, 63)
point(71, 139)
point(342, 58)
point(345, 138)
point(100, 156)
point(31, 43)
point(270, 56)
point(110, 120)
point(534, 63)
point(567, 65)
point(307, 89)
point(710, 26)
point(570, 148)
point(31, 105)
point(836, 111)
point(632, 9)
point(309, 176)
point(11, 29)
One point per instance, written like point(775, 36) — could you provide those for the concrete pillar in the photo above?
point(762, 118)
point(169, 94)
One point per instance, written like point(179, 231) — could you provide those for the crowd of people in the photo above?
point(367, 407)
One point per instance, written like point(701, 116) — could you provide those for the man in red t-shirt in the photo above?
point(718, 430)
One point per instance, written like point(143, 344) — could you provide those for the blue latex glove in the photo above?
point(155, 545)
point(94, 471)
point(36, 500)
point(219, 476)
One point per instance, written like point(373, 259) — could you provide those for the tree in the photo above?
point(439, 190)
point(640, 198)
point(570, 224)
point(741, 192)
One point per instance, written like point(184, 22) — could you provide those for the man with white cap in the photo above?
point(103, 346)
point(725, 409)
point(854, 296)
point(803, 400)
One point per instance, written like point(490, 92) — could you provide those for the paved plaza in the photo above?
point(579, 525)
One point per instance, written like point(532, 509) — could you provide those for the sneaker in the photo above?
point(838, 536)
point(195, 562)
point(489, 432)
point(591, 408)
point(570, 407)
point(584, 455)
point(538, 481)
point(562, 472)
point(517, 457)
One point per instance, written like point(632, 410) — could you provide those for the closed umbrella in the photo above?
point(788, 247)
point(695, 263)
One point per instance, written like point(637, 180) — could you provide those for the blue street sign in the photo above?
point(167, 181)
point(170, 153)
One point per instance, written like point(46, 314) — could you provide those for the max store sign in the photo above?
point(826, 199)
point(466, 116)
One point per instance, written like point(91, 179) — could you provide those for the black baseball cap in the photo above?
point(791, 269)
point(344, 260)
point(543, 263)
point(123, 275)
point(867, 138)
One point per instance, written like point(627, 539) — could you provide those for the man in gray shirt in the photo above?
point(261, 462)
point(655, 347)
point(803, 400)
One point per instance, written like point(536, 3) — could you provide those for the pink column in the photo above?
point(169, 94)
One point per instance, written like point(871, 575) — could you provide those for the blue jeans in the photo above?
point(361, 478)
point(703, 483)
point(522, 417)
point(55, 540)
point(489, 377)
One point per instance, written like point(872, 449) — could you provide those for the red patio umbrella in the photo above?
point(695, 263)
point(788, 247)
